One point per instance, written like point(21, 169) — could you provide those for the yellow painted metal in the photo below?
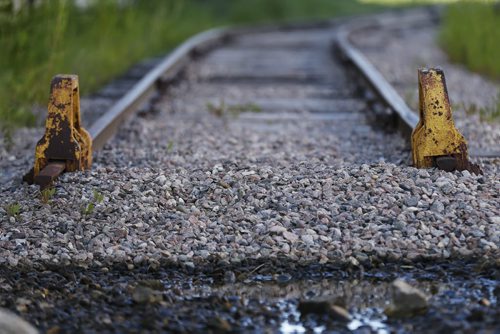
point(435, 135)
point(65, 140)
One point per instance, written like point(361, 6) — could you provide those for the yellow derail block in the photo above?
point(66, 145)
point(435, 140)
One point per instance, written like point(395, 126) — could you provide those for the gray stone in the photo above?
point(10, 323)
point(437, 206)
point(229, 277)
point(287, 182)
point(339, 313)
point(292, 237)
point(324, 307)
point(412, 201)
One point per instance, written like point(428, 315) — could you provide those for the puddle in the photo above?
point(365, 299)
point(87, 301)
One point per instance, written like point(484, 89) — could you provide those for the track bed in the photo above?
point(261, 164)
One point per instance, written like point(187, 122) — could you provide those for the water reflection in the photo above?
point(365, 299)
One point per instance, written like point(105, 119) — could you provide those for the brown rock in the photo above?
point(406, 300)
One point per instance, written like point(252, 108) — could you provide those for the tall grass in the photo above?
point(470, 35)
point(97, 43)
point(103, 40)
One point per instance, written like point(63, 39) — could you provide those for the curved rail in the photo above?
point(376, 80)
point(106, 126)
point(407, 119)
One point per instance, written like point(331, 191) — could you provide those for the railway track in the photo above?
point(165, 72)
point(255, 150)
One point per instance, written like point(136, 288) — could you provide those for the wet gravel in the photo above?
point(259, 298)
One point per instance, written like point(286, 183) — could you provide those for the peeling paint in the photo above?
point(435, 135)
point(64, 139)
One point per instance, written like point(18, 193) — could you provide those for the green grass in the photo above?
point(97, 199)
point(470, 34)
point(97, 44)
point(104, 40)
point(13, 209)
point(486, 114)
point(223, 110)
point(47, 194)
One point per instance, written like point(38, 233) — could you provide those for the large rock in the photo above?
point(13, 324)
point(406, 300)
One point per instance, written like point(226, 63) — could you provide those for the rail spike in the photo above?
point(66, 145)
point(435, 140)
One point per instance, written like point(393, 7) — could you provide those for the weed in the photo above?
point(217, 110)
point(234, 110)
point(47, 194)
point(470, 109)
point(486, 114)
point(13, 209)
point(97, 198)
point(170, 146)
point(490, 114)
point(456, 106)
point(89, 209)
point(247, 107)
point(8, 140)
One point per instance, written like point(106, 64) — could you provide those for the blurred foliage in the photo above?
point(399, 2)
point(471, 35)
point(103, 40)
point(96, 43)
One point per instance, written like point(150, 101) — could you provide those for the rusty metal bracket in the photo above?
point(66, 145)
point(435, 140)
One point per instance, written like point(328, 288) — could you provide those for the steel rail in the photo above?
point(406, 118)
point(107, 125)
point(376, 80)
point(168, 70)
